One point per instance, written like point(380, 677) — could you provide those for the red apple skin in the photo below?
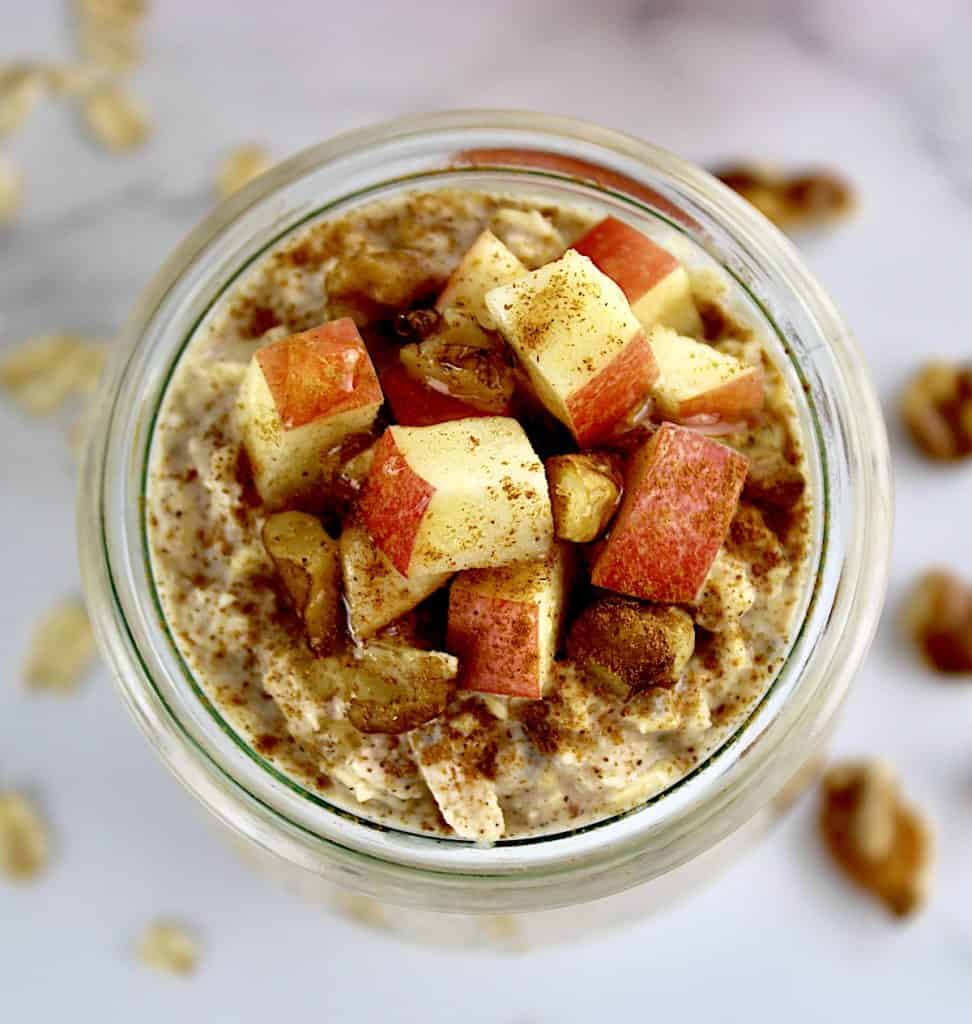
point(628, 257)
point(392, 503)
point(739, 399)
point(616, 391)
point(415, 405)
point(319, 373)
point(682, 492)
point(497, 643)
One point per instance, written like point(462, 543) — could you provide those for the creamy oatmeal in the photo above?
point(505, 540)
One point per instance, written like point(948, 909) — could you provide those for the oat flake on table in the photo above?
point(22, 86)
point(11, 191)
point(170, 947)
point(43, 373)
point(240, 166)
point(116, 119)
point(62, 649)
point(24, 842)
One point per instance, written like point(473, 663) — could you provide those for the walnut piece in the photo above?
point(939, 617)
point(878, 841)
point(170, 947)
point(793, 202)
point(115, 119)
point(240, 166)
point(937, 410)
point(398, 688)
point(62, 649)
point(309, 565)
point(627, 646)
point(24, 841)
point(585, 491)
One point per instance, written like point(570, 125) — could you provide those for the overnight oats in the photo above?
point(477, 516)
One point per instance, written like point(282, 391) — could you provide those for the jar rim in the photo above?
point(605, 855)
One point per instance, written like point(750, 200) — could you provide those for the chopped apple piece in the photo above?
point(462, 495)
point(375, 591)
point(487, 265)
point(696, 380)
point(628, 646)
point(585, 491)
point(397, 688)
point(464, 362)
point(652, 279)
point(584, 351)
point(504, 624)
point(301, 396)
point(414, 404)
point(307, 560)
point(681, 494)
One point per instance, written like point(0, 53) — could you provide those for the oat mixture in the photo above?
point(624, 714)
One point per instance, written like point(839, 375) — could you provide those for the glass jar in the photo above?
point(673, 839)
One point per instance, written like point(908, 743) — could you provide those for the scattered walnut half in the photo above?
point(937, 410)
point(939, 617)
point(810, 199)
point(880, 843)
point(24, 842)
point(170, 947)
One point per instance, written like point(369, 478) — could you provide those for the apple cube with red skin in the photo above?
point(696, 380)
point(505, 625)
point(301, 396)
point(653, 280)
point(413, 404)
point(584, 351)
point(375, 592)
point(681, 494)
point(487, 265)
point(460, 495)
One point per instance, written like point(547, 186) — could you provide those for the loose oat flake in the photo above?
point(109, 31)
point(44, 372)
point(21, 88)
point(116, 119)
point(62, 649)
point(170, 947)
point(240, 166)
point(24, 842)
point(10, 191)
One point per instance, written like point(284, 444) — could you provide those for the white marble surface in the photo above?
point(883, 94)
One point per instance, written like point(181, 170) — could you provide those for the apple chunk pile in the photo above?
point(452, 494)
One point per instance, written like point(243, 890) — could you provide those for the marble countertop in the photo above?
point(883, 94)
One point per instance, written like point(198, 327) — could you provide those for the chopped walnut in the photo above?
point(939, 617)
point(585, 491)
point(62, 649)
point(170, 947)
point(810, 199)
point(115, 119)
point(880, 843)
point(45, 372)
point(240, 166)
point(937, 410)
point(24, 841)
point(10, 191)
